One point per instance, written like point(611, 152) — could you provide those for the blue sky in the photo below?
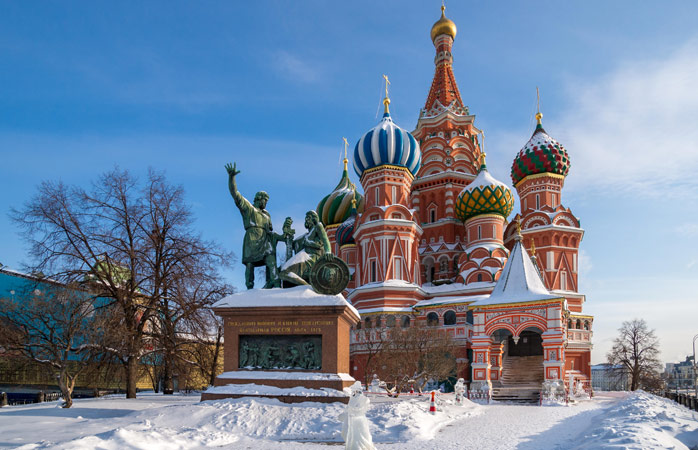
point(186, 87)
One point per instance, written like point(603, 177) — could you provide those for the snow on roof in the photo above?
point(520, 282)
point(450, 300)
point(295, 296)
point(385, 309)
point(430, 288)
point(388, 283)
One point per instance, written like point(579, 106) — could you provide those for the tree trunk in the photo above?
point(168, 383)
point(66, 385)
point(131, 376)
point(214, 362)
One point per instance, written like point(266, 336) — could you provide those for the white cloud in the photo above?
point(634, 130)
point(686, 229)
point(295, 68)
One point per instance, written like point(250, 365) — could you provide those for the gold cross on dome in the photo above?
point(387, 83)
point(346, 144)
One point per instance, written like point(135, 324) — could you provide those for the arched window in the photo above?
point(390, 321)
point(586, 325)
point(358, 325)
point(469, 317)
point(405, 321)
point(479, 232)
point(537, 201)
point(432, 273)
point(579, 324)
point(378, 322)
point(569, 324)
point(455, 264)
point(432, 319)
point(450, 318)
point(432, 215)
point(479, 277)
point(368, 322)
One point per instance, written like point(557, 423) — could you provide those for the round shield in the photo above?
point(329, 275)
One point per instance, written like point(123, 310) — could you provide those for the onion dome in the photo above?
point(485, 195)
point(443, 26)
point(387, 144)
point(336, 206)
point(541, 154)
point(345, 232)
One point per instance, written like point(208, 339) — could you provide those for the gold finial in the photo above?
point(353, 202)
point(443, 9)
point(518, 226)
point(533, 248)
point(482, 159)
point(386, 100)
point(346, 144)
point(539, 115)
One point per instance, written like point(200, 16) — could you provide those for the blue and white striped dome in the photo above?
point(387, 144)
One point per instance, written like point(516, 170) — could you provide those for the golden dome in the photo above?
point(443, 26)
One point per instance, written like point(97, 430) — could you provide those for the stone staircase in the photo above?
point(521, 379)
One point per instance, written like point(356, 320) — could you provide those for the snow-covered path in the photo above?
point(154, 422)
point(505, 426)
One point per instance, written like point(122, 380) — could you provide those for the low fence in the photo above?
point(24, 398)
point(687, 400)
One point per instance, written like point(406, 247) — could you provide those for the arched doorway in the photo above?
point(529, 343)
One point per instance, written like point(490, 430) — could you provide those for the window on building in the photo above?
point(432, 319)
point(479, 277)
point(368, 322)
point(390, 321)
point(455, 264)
point(394, 192)
point(432, 273)
point(554, 200)
point(378, 196)
point(551, 260)
point(479, 232)
point(586, 325)
point(450, 318)
point(374, 271)
point(405, 321)
point(494, 231)
point(525, 204)
point(469, 317)
point(563, 280)
point(379, 323)
point(432, 215)
point(397, 268)
point(537, 201)
point(579, 324)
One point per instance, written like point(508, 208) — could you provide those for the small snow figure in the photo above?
point(355, 430)
point(459, 388)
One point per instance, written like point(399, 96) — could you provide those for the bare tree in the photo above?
point(636, 352)
point(55, 327)
point(418, 353)
point(131, 245)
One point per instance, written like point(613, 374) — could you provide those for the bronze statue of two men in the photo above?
point(259, 245)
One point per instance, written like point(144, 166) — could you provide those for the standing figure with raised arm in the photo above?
point(259, 244)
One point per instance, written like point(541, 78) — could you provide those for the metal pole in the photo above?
point(695, 384)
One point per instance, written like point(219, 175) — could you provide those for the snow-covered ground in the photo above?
point(615, 420)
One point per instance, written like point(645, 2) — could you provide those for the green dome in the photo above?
point(335, 208)
point(485, 195)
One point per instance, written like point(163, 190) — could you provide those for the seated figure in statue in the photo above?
point(307, 248)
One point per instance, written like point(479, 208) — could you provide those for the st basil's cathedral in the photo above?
point(431, 242)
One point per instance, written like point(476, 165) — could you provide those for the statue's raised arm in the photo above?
point(232, 184)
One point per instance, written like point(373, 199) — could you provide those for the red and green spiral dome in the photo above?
point(485, 195)
point(541, 154)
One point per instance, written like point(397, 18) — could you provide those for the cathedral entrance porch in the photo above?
point(521, 372)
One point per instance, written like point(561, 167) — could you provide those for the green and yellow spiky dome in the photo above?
point(485, 195)
point(335, 207)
